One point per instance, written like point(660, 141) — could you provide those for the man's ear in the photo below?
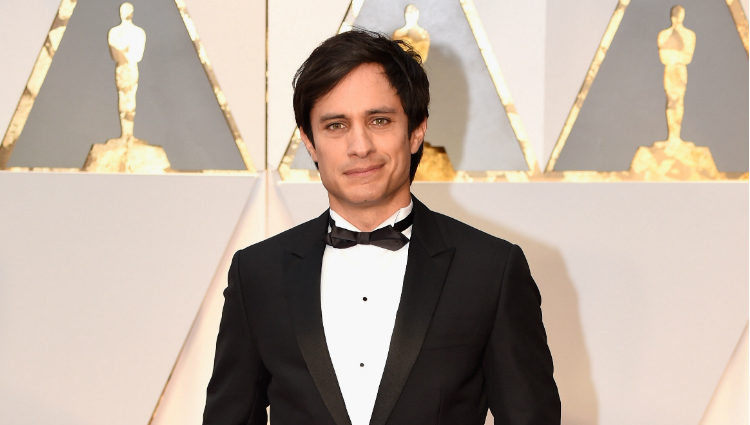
point(417, 136)
point(308, 144)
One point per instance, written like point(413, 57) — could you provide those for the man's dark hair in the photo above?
point(336, 57)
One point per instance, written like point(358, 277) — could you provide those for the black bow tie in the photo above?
point(388, 237)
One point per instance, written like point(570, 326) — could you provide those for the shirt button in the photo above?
point(364, 298)
point(361, 365)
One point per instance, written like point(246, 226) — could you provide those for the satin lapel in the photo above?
point(427, 266)
point(302, 285)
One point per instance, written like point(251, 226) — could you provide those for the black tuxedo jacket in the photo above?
point(468, 335)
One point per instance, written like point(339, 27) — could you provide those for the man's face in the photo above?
point(362, 145)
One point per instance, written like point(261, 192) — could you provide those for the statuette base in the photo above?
point(435, 165)
point(126, 156)
point(674, 160)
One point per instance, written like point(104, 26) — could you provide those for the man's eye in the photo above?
point(380, 121)
point(335, 126)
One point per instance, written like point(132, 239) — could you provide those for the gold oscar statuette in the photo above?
point(674, 158)
point(417, 37)
point(435, 164)
point(126, 153)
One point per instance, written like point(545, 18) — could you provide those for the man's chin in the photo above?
point(362, 199)
point(362, 196)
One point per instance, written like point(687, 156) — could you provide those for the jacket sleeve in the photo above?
point(237, 390)
point(517, 362)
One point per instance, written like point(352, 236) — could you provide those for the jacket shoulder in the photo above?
point(460, 234)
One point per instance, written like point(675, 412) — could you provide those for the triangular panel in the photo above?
point(71, 100)
point(621, 105)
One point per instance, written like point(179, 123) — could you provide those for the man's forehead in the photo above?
point(365, 89)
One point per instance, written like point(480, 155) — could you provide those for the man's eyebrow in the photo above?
point(327, 117)
point(373, 111)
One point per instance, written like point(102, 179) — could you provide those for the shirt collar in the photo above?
point(393, 219)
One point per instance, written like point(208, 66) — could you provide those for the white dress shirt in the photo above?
point(360, 289)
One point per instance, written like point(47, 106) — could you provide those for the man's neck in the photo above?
point(367, 217)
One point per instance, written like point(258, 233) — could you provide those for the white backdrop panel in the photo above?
point(23, 29)
point(100, 279)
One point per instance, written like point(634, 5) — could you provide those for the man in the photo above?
point(423, 321)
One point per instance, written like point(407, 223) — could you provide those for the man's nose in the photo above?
point(360, 142)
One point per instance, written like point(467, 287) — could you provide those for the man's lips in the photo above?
point(362, 171)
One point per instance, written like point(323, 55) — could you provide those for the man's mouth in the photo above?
point(363, 171)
